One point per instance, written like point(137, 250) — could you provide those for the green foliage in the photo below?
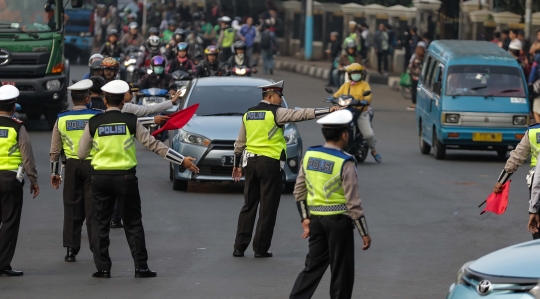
point(515, 6)
point(380, 2)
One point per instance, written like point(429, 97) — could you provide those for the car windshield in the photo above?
point(485, 80)
point(29, 15)
point(224, 100)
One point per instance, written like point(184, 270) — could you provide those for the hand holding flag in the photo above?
point(178, 119)
point(497, 202)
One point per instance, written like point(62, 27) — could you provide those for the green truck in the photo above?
point(32, 55)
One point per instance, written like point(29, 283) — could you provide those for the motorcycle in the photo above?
point(242, 70)
point(130, 63)
point(182, 78)
point(356, 146)
point(152, 96)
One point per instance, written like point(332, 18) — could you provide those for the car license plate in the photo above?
point(227, 161)
point(8, 83)
point(487, 137)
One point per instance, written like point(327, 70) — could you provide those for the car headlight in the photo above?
point(344, 102)
point(53, 85)
point(83, 34)
point(130, 61)
point(461, 272)
point(149, 101)
point(451, 118)
point(291, 138)
point(194, 139)
point(520, 120)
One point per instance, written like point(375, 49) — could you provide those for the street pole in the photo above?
point(528, 6)
point(144, 17)
point(308, 45)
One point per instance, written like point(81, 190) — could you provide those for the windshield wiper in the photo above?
point(224, 114)
point(467, 89)
point(502, 91)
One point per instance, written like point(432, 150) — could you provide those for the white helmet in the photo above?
point(153, 43)
point(94, 57)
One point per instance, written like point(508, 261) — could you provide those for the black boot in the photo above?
point(117, 224)
point(102, 274)
point(144, 273)
point(70, 256)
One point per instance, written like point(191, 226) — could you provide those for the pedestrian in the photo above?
point(247, 33)
point(226, 39)
point(261, 136)
point(525, 43)
point(381, 42)
point(415, 70)
point(268, 47)
point(333, 52)
point(497, 38)
point(505, 38)
point(535, 47)
point(77, 192)
point(328, 216)
point(365, 38)
point(113, 133)
point(17, 158)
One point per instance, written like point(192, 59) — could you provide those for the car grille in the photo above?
point(215, 170)
point(222, 144)
point(22, 61)
point(500, 284)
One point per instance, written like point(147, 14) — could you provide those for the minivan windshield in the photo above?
point(485, 80)
point(29, 15)
point(225, 100)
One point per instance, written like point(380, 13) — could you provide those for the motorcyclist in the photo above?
point(350, 56)
point(111, 48)
point(182, 61)
point(355, 88)
point(158, 78)
point(153, 48)
point(210, 66)
point(132, 38)
point(240, 59)
point(153, 32)
point(167, 34)
point(195, 41)
point(170, 49)
point(94, 63)
point(109, 69)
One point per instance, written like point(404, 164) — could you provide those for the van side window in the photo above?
point(425, 68)
point(432, 72)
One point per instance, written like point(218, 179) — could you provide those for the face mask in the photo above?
point(240, 55)
point(158, 70)
point(356, 77)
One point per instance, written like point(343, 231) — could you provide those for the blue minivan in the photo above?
point(471, 95)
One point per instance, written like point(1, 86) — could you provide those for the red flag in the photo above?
point(178, 119)
point(497, 203)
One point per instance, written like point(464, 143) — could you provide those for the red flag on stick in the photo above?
point(178, 119)
point(497, 203)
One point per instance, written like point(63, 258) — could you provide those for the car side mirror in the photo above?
point(76, 3)
point(437, 87)
point(366, 93)
point(328, 90)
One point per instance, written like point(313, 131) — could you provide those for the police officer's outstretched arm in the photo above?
point(151, 143)
point(28, 161)
point(354, 203)
point(516, 159)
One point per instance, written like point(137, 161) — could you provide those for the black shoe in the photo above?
point(144, 273)
point(102, 274)
point(115, 224)
point(70, 256)
point(238, 253)
point(266, 254)
point(271, 71)
point(11, 273)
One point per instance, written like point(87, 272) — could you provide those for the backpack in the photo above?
point(266, 41)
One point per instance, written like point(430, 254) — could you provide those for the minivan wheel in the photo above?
point(171, 172)
point(439, 149)
point(501, 152)
point(425, 148)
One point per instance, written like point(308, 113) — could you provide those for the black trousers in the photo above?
point(414, 92)
point(263, 184)
point(11, 202)
point(534, 235)
point(331, 243)
point(117, 215)
point(77, 202)
point(124, 189)
point(382, 60)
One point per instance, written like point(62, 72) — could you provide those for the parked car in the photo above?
point(210, 135)
point(509, 273)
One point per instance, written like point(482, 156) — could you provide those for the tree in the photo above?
point(515, 6)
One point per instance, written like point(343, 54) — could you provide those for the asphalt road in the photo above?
point(422, 215)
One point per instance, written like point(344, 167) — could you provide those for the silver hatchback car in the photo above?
point(210, 135)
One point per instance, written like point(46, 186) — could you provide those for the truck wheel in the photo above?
point(179, 185)
point(439, 149)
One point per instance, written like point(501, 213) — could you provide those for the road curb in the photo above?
point(324, 73)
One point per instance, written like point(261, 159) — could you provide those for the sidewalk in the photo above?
point(321, 69)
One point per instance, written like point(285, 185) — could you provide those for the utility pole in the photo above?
point(528, 16)
point(144, 17)
point(308, 45)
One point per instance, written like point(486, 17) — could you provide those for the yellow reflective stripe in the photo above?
point(331, 186)
point(13, 149)
point(272, 132)
point(309, 187)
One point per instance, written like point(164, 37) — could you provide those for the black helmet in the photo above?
point(196, 16)
point(172, 23)
point(153, 31)
point(181, 75)
point(97, 83)
point(96, 65)
point(239, 45)
point(112, 32)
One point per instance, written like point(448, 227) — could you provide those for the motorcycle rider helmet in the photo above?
point(211, 50)
point(172, 23)
point(179, 35)
point(239, 45)
point(350, 44)
point(225, 19)
point(133, 25)
point(355, 71)
point(158, 65)
point(110, 63)
point(183, 47)
point(94, 58)
point(133, 16)
point(112, 32)
point(196, 16)
point(153, 31)
point(96, 65)
point(153, 43)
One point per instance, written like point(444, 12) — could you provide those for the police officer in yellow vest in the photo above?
point(111, 136)
point(529, 145)
point(16, 158)
point(77, 194)
point(261, 135)
point(226, 39)
point(326, 194)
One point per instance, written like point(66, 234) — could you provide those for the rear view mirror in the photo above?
point(76, 3)
point(437, 87)
point(366, 93)
point(328, 90)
